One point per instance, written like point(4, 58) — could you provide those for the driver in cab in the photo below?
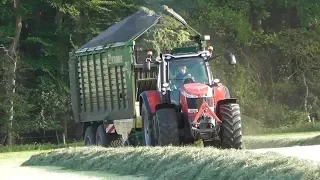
point(180, 79)
point(182, 73)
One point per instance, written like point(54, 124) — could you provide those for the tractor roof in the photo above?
point(204, 54)
point(129, 29)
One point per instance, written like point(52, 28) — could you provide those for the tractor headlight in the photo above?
point(165, 85)
point(206, 37)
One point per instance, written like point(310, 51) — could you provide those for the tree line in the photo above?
point(276, 43)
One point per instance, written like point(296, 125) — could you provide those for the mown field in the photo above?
point(275, 140)
point(254, 137)
point(180, 163)
point(10, 168)
point(37, 147)
point(192, 162)
point(282, 140)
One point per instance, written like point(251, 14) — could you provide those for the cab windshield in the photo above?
point(187, 68)
point(182, 69)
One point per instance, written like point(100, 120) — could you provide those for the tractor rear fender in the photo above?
point(151, 98)
point(227, 101)
point(224, 101)
point(220, 92)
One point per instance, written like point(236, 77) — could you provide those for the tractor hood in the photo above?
point(196, 90)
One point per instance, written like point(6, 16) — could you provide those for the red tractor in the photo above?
point(189, 105)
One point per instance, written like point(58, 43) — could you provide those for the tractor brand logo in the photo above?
point(115, 59)
point(192, 111)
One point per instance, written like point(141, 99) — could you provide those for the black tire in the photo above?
point(231, 131)
point(132, 141)
point(106, 139)
point(116, 140)
point(167, 124)
point(147, 127)
point(90, 136)
point(101, 136)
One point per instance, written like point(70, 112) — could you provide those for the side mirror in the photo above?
point(230, 57)
point(147, 65)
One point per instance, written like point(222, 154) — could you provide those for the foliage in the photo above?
point(50, 30)
point(308, 11)
point(272, 59)
point(52, 103)
point(164, 36)
point(276, 43)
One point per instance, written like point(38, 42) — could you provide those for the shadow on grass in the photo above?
point(179, 163)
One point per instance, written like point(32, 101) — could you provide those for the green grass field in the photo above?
point(180, 163)
point(18, 157)
point(171, 162)
point(37, 147)
point(10, 167)
point(270, 140)
point(281, 140)
point(277, 140)
point(256, 136)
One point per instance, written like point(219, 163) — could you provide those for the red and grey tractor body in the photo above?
point(204, 111)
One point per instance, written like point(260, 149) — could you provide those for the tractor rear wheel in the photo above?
point(166, 126)
point(231, 131)
point(148, 138)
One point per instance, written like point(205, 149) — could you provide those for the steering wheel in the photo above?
point(172, 85)
point(188, 80)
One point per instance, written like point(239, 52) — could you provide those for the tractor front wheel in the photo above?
point(166, 127)
point(230, 131)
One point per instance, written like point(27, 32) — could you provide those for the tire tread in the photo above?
point(231, 131)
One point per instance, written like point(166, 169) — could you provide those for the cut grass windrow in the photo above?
point(179, 163)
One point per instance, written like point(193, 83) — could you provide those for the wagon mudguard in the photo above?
point(151, 98)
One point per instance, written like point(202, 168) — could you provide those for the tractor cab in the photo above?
point(187, 102)
point(186, 70)
point(185, 83)
point(183, 67)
